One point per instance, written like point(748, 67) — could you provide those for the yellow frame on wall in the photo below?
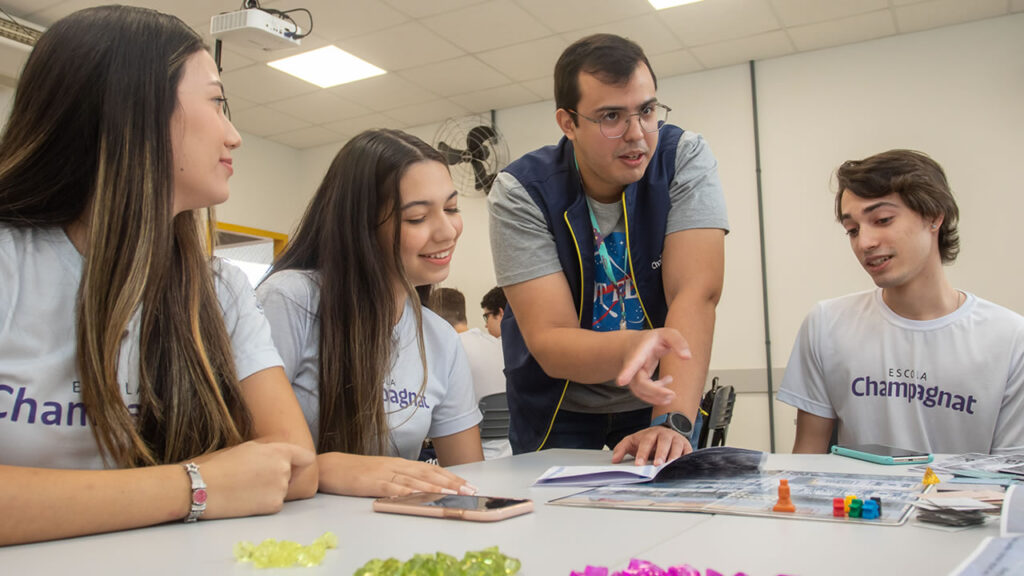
point(280, 240)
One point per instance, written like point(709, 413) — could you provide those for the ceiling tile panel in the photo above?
point(320, 107)
point(308, 137)
point(674, 63)
point(384, 92)
point(456, 76)
point(233, 60)
point(339, 19)
point(760, 47)
point(427, 112)
point(354, 126)
point(648, 31)
point(237, 103)
point(487, 26)
point(422, 8)
point(495, 98)
point(261, 84)
point(797, 12)
point(568, 15)
point(527, 60)
point(719, 20)
point(935, 13)
point(843, 31)
point(542, 87)
point(390, 49)
point(262, 121)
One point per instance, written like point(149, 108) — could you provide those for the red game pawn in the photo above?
point(784, 504)
point(838, 507)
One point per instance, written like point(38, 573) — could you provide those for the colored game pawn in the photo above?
point(784, 504)
point(877, 501)
point(856, 505)
point(839, 507)
point(869, 510)
point(846, 503)
point(929, 477)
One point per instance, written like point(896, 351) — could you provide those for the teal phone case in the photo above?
point(878, 458)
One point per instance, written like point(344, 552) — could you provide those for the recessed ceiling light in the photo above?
point(662, 4)
point(326, 67)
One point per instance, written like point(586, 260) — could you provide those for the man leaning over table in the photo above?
point(913, 363)
point(609, 246)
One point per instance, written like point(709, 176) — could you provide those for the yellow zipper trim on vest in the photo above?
point(629, 258)
point(565, 387)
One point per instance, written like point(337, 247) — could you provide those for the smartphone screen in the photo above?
point(883, 450)
point(470, 502)
point(455, 506)
point(882, 454)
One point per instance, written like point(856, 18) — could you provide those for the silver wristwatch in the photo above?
point(198, 492)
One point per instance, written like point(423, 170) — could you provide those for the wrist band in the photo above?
point(198, 492)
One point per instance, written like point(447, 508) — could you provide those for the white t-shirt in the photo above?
point(291, 300)
point(42, 419)
point(486, 362)
point(950, 385)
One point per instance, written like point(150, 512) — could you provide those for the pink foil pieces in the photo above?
point(644, 568)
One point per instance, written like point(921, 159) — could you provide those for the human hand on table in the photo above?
point(249, 479)
point(655, 445)
point(376, 476)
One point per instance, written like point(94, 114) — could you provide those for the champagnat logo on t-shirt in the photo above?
point(403, 397)
point(20, 405)
point(911, 385)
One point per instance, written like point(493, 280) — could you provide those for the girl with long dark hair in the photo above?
point(375, 371)
point(122, 346)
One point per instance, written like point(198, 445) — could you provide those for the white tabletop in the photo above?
point(552, 541)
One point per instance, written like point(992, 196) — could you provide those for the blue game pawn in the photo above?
point(869, 510)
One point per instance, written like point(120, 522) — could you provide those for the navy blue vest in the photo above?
point(553, 182)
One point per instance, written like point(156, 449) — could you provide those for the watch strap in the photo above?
point(198, 492)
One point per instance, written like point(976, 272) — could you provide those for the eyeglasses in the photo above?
point(487, 315)
point(614, 124)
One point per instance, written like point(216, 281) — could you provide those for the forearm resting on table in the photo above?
point(46, 504)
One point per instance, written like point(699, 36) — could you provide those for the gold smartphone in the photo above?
point(454, 506)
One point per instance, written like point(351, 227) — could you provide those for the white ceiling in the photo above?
point(456, 57)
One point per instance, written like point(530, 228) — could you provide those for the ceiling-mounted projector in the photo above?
point(256, 29)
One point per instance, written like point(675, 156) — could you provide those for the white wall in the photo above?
point(955, 93)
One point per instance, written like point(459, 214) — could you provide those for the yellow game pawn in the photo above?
point(930, 477)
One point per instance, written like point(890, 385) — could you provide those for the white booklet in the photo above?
point(718, 460)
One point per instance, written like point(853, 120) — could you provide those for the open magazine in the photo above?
point(721, 460)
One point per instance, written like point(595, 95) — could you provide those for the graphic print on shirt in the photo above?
point(398, 398)
point(610, 293)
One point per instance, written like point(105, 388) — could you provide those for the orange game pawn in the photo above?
point(784, 504)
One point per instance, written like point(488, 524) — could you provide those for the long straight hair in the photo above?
point(339, 238)
point(89, 139)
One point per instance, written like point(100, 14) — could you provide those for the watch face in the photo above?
point(680, 423)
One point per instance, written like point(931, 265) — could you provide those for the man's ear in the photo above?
point(501, 314)
point(566, 121)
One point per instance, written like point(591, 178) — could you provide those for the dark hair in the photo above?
point(494, 300)
point(450, 304)
point(338, 237)
point(919, 181)
point(612, 59)
point(89, 138)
